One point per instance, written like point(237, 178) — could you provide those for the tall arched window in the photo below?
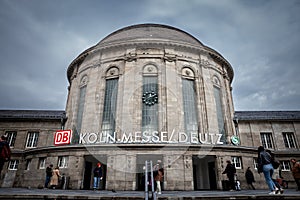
point(150, 100)
point(219, 108)
point(189, 101)
point(80, 110)
point(110, 102)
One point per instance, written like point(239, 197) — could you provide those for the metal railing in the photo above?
point(149, 169)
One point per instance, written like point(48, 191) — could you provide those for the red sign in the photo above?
point(62, 137)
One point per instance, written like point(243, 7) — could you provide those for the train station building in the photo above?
point(147, 92)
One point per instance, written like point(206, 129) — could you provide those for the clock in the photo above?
point(150, 98)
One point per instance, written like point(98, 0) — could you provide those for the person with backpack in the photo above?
point(230, 172)
point(264, 161)
point(4, 152)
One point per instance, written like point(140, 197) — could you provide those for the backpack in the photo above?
point(5, 152)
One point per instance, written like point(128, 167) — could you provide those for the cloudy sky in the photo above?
point(40, 38)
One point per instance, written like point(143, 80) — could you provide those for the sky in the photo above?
point(259, 38)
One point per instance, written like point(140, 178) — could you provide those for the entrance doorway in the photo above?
point(140, 164)
point(204, 173)
point(90, 164)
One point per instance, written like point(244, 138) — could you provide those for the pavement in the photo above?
point(57, 194)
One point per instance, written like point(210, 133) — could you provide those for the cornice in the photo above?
point(157, 43)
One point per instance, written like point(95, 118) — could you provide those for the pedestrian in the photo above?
point(158, 179)
point(5, 152)
point(97, 176)
point(250, 178)
point(296, 172)
point(265, 167)
point(230, 172)
point(49, 171)
point(55, 178)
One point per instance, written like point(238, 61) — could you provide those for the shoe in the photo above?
point(159, 193)
point(231, 190)
point(281, 191)
point(273, 192)
point(276, 191)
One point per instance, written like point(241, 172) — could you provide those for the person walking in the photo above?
point(5, 152)
point(55, 178)
point(230, 172)
point(97, 176)
point(158, 179)
point(296, 172)
point(49, 171)
point(265, 167)
point(250, 178)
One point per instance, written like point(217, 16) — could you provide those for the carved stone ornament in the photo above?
point(84, 81)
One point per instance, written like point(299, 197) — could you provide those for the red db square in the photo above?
point(62, 137)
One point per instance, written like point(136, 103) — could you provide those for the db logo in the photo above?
point(62, 137)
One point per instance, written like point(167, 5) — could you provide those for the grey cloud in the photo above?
point(41, 38)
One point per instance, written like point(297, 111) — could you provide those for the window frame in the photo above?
point(13, 165)
point(42, 163)
point(237, 160)
point(63, 161)
point(11, 138)
point(31, 142)
point(28, 163)
point(264, 142)
point(285, 165)
point(287, 137)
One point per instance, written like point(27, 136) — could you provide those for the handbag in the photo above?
point(275, 163)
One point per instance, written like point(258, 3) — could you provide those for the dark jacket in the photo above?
point(5, 155)
point(98, 172)
point(229, 170)
point(49, 171)
point(249, 176)
point(264, 158)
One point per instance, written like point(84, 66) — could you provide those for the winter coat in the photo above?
point(98, 172)
point(230, 170)
point(296, 170)
point(55, 177)
point(159, 176)
point(249, 176)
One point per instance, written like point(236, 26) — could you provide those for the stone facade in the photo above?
point(193, 155)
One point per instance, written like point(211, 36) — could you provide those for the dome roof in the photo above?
point(150, 33)
point(142, 32)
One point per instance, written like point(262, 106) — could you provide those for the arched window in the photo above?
point(110, 102)
point(219, 107)
point(81, 102)
point(189, 101)
point(150, 100)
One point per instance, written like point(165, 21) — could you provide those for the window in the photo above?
point(220, 115)
point(80, 107)
point(63, 162)
point(149, 104)
point(189, 106)
point(32, 139)
point(236, 161)
point(285, 165)
point(42, 163)
point(255, 163)
point(13, 164)
point(109, 109)
point(11, 137)
point(28, 161)
point(266, 140)
point(289, 140)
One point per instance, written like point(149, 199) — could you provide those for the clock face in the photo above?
point(150, 98)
